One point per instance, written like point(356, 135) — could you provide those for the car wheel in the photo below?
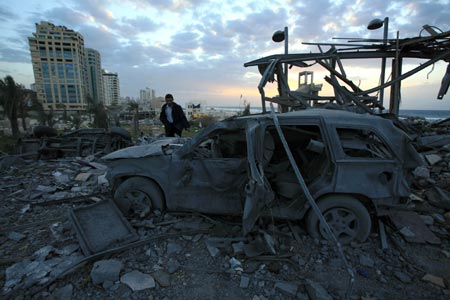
point(348, 218)
point(138, 196)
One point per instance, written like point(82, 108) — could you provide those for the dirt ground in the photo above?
point(191, 256)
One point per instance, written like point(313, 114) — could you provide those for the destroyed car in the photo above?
point(81, 142)
point(354, 166)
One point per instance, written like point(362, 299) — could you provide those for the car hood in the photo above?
point(162, 146)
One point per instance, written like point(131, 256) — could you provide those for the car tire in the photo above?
point(347, 217)
point(138, 196)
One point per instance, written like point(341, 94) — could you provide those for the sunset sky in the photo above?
point(195, 49)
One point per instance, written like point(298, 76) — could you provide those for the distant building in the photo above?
point(111, 88)
point(147, 94)
point(59, 66)
point(195, 110)
point(95, 76)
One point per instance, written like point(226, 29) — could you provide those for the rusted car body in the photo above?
point(352, 164)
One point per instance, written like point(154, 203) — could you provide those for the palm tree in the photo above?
point(134, 107)
point(10, 94)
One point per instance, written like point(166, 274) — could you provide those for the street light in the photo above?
point(375, 24)
point(277, 37)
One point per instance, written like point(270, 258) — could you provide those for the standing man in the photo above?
point(173, 117)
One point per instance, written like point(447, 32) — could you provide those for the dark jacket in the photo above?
point(179, 118)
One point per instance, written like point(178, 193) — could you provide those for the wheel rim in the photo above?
point(343, 222)
point(139, 203)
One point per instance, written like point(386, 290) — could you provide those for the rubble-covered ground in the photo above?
point(192, 256)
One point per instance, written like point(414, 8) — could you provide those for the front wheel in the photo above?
point(347, 217)
point(138, 196)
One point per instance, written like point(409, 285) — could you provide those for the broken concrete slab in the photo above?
point(438, 197)
point(138, 281)
point(106, 270)
point(316, 291)
point(287, 287)
point(101, 225)
point(64, 293)
point(433, 159)
point(173, 248)
point(162, 278)
point(434, 280)
point(83, 176)
point(245, 282)
point(412, 227)
point(421, 172)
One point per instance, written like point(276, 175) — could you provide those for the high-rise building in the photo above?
point(147, 94)
point(59, 66)
point(111, 88)
point(95, 76)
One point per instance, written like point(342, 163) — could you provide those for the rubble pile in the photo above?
point(192, 256)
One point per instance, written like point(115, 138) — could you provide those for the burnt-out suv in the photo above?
point(353, 165)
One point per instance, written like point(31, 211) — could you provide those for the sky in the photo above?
point(196, 49)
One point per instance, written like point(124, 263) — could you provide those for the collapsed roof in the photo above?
point(433, 48)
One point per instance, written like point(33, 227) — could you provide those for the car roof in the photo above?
point(332, 116)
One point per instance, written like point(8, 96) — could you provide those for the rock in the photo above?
point(46, 189)
point(245, 281)
point(403, 277)
point(173, 248)
point(428, 220)
point(364, 260)
point(447, 215)
point(138, 281)
point(421, 172)
point(433, 159)
point(15, 236)
point(105, 270)
point(238, 248)
point(162, 278)
point(83, 177)
point(438, 218)
point(316, 291)
point(406, 232)
point(213, 251)
point(64, 293)
point(287, 287)
point(438, 197)
point(173, 266)
point(434, 280)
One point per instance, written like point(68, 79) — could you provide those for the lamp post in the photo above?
point(277, 37)
point(375, 24)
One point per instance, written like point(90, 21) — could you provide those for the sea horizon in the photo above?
point(428, 114)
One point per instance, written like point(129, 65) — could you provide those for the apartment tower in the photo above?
point(59, 66)
point(111, 88)
point(95, 76)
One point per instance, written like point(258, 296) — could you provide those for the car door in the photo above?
point(211, 176)
point(366, 164)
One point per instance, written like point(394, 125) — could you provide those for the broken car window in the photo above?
point(222, 144)
point(362, 143)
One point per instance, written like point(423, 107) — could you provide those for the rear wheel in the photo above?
point(348, 218)
point(138, 196)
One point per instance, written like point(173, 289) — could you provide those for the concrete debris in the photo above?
point(317, 291)
point(433, 159)
point(434, 280)
point(83, 176)
point(138, 281)
point(162, 278)
point(173, 248)
point(106, 270)
point(64, 293)
point(287, 288)
point(245, 281)
point(438, 197)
